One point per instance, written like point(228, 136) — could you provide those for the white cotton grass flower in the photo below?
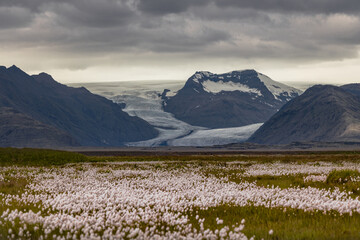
point(240, 228)
point(271, 232)
point(223, 232)
point(315, 178)
point(219, 221)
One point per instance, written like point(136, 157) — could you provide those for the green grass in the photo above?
point(6, 225)
point(289, 224)
point(38, 157)
point(342, 176)
point(43, 157)
point(222, 159)
point(286, 181)
point(13, 185)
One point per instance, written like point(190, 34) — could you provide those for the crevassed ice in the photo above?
point(211, 137)
point(216, 87)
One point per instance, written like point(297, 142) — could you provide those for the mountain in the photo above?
point(323, 113)
point(20, 130)
point(353, 88)
point(89, 119)
point(231, 99)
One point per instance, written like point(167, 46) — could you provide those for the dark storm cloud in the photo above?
point(212, 12)
point(93, 13)
point(166, 6)
point(165, 39)
point(14, 17)
point(169, 6)
point(186, 42)
point(192, 29)
point(302, 6)
point(29, 4)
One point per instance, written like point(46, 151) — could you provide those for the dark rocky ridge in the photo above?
point(90, 119)
point(323, 113)
point(353, 88)
point(20, 130)
point(198, 106)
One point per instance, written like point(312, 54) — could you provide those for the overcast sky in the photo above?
point(117, 40)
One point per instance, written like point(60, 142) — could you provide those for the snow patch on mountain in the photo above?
point(277, 88)
point(216, 87)
point(200, 75)
point(170, 92)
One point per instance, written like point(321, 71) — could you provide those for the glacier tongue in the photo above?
point(150, 109)
point(220, 136)
point(142, 99)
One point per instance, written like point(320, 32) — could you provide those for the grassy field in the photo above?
point(38, 157)
point(44, 157)
point(289, 224)
point(303, 196)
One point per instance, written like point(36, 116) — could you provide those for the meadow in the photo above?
point(47, 194)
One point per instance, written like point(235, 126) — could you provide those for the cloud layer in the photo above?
point(78, 34)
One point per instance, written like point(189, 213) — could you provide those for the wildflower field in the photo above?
point(57, 195)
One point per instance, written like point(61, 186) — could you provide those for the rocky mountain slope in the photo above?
point(232, 99)
point(353, 88)
point(323, 113)
point(20, 130)
point(89, 119)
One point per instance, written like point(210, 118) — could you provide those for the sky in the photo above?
point(122, 40)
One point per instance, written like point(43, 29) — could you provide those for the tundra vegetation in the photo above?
point(48, 194)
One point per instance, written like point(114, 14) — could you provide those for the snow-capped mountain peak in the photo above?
point(232, 99)
point(201, 75)
point(245, 81)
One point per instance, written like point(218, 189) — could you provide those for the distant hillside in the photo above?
point(353, 88)
point(232, 99)
point(89, 119)
point(20, 130)
point(323, 113)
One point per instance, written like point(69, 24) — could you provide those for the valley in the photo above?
point(208, 109)
point(143, 99)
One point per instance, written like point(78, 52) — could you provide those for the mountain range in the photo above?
point(39, 111)
point(233, 99)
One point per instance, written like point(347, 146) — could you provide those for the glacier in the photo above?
point(143, 99)
point(219, 136)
